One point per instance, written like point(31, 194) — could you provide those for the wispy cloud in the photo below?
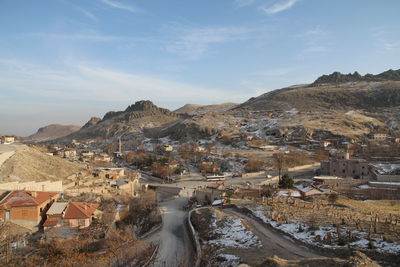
point(83, 82)
point(280, 6)
point(314, 49)
point(385, 41)
point(123, 6)
point(77, 36)
point(242, 3)
point(194, 42)
point(87, 14)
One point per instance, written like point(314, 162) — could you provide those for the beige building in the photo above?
point(167, 148)
point(109, 173)
point(343, 166)
point(7, 139)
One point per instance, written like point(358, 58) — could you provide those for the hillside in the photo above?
point(53, 131)
point(193, 109)
point(29, 164)
point(326, 96)
point(129, 123)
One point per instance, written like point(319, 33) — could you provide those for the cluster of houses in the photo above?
point(77, 154)
point(37, 209)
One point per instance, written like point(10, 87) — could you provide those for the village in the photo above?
point(280, 183)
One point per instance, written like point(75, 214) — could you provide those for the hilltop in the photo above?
point(129, 123)
point(327, 96)
point(194, 109)
point(53, 131)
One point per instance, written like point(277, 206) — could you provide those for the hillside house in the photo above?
point(167, 148)
point(26, 208)
point(79, 214)
point(55, 215)
point(378, 135)
point(386, 172)
point(69, 153)
point(7, 139)
point(103, 157)
point(86, 155)
point(247, 136)
point(207, 196)
point(109, 173)
point(199, 149)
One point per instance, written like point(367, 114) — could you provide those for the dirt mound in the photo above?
point(28, 164)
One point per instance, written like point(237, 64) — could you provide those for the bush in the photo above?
point(286, 182)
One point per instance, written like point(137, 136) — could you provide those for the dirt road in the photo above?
point(275, 243)
point(175, 245)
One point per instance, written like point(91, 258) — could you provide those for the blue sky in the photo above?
point(63, 61)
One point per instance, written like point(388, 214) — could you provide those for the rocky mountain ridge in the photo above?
point(337, 77)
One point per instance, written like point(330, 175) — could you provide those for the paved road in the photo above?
point(175, 245)
point(275, 243)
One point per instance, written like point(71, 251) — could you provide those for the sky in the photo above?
point(64, 61)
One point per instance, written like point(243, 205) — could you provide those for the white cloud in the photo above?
point(193, 43)
point(123, 6)
point(280, 6)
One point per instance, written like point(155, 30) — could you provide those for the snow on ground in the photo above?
point(232, 233)
point(229, 260)
point(300, 231)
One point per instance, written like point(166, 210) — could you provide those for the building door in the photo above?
point(7, 214)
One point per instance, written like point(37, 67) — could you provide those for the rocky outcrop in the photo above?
point(337, 77)
point(93, 121)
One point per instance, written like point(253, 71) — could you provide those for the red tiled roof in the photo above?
point(20, 198)
point(80, 210)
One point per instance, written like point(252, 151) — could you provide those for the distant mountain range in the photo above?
point(351, 105)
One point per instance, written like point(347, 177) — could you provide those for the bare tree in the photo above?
point(279, 160)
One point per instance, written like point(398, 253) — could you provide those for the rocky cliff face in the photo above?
point(93, 121)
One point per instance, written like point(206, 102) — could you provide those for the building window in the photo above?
point(81, 222)
point(344, 171)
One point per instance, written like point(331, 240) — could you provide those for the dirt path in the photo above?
point(175, 245)
point(275, 243)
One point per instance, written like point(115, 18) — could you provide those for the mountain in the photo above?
point(129, 123)
point(334, 105)
point(53, 131)
point(337, 77)
point(193, 109)
point(327, 96)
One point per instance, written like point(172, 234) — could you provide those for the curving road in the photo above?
point(175, 245)
point(275, 243)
